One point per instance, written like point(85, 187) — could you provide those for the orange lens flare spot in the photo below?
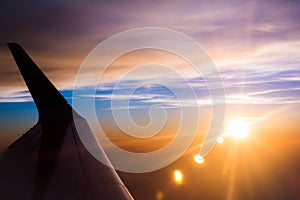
point(178, 177)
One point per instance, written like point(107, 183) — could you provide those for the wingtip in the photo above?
point(42, 90)
point(12, 44)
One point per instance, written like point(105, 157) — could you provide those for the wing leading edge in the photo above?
point(50, 161)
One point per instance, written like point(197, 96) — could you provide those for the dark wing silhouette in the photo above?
point(49, 161)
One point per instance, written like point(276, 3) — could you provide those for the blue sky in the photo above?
point(254, 45)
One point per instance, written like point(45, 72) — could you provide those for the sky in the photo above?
point(253, 44)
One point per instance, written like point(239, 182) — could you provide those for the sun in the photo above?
point(237, 128)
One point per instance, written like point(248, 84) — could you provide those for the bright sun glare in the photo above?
point(237, 128)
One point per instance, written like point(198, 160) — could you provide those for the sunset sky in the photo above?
point(255, 46)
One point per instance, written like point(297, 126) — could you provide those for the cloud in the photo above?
point(255, 44)
point(20, 96)
point(243, 86)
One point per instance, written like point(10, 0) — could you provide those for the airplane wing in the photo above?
point(49, 161)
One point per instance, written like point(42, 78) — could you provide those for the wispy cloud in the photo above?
point(20, 96)
point(255, 46)
point(243, 86)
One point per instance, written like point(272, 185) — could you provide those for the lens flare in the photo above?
point(159, 195)
point(220, 140)
point(198, 159)
point(178, 177)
